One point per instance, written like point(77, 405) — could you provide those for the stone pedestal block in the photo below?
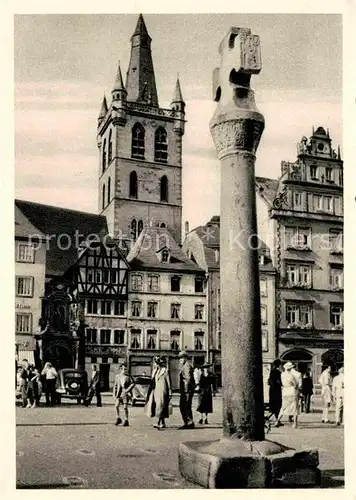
point(234, 463)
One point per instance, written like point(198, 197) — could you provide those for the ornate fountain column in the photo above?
point(242, 458)
point(236, 128)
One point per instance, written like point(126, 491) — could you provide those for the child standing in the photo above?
point(123, 386)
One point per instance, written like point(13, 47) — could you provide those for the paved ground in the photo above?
point(73, 446)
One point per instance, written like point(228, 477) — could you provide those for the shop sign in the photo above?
point(22, 306)
point(105, 351)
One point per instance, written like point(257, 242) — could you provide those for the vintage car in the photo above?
point(140, 390)
point(72, 384)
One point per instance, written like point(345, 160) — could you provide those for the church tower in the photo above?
point(140, 149)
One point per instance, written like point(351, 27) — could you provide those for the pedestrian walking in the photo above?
point(197, 374)
point(25, 374)
point(290, 394)
point(159, 393)
point(205, 394)
point(307, 391)
point(186, 389)
point(299, 378)
point(35, 388)
point(338, 395)
point(94, 388)
point(325, 380)
point(275, 389)
point(19, 382)
point(50, 374)
point(122, 390)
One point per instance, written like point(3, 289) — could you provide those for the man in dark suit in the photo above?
point(94, 388)
point(186, 389)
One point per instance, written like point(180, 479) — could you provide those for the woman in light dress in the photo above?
point(159, 393)
point(290, 394)
point(325, 380)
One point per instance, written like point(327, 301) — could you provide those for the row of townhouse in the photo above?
point(134, 303)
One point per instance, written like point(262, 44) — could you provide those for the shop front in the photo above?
point(314, 356)
point(25, 348)
point(108, 360)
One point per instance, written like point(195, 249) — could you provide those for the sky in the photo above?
point(64, 63)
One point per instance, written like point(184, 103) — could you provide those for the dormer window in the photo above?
point(164, 254)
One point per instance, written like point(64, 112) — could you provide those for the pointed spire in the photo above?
point(177, 96)
point(140, 79)
point(119, 84)
point(338, 152)
point(104, 108)
point(141, 27)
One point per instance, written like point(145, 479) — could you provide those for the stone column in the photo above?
point(242, 458)
point(236, 128)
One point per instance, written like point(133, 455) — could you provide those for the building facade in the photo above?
point(202, 245)
point(100, 281)
point(30, 270)
point(59, 233)
point(167, 304)
point(140, 149)
point(301, 218)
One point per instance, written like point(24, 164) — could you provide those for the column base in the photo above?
point(234, 463)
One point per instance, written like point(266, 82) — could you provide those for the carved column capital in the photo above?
point(237, 135)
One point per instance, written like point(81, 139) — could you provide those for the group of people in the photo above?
point(158, 401)
point(30, 383)
point(290, 392)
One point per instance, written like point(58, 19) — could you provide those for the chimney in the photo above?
point(186, 227)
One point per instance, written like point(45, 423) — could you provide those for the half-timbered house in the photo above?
point(100, 280)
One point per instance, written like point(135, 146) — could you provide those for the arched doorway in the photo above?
point(333, 358)
point(302, 359)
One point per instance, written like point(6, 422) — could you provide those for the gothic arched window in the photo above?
point(164, 188)
point(103, 198)
point(109, 189)
point(140, 227)
point(104, 155)
point(110, 148)
point(133, 185)
point(138, 141)
point(161, 145)
point(133, 228)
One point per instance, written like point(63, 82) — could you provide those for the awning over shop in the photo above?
point(29, 355)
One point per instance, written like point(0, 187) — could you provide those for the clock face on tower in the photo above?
point(322, 148)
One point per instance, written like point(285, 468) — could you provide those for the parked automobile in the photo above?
point(140, 390)
point(72, 384)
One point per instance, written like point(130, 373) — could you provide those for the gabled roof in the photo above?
point(210, 238)
point(64, 230)
point(106, 240)
point(267, 188)
point(24, 228)
point(144, 252)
